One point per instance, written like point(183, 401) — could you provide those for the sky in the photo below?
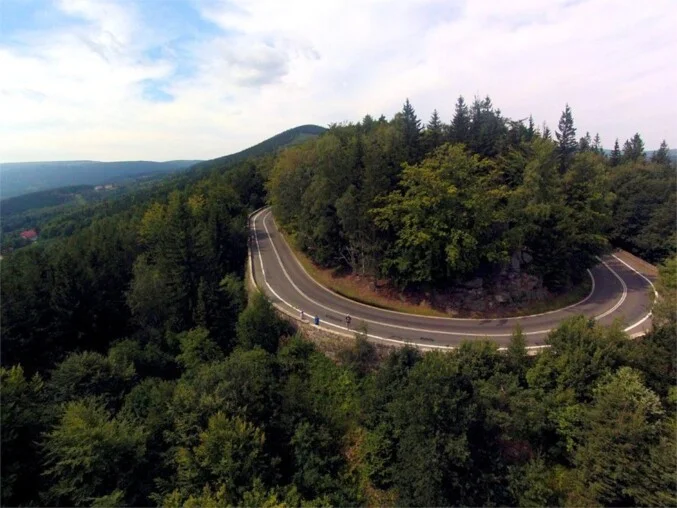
point(197, 79)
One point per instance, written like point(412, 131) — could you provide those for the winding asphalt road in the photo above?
point(618, 292)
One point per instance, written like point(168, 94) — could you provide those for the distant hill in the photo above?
point(42, 199)
point(24, 207)
point(17, 178)
point(270, 145)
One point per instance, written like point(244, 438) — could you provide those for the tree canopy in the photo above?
point(137, 371)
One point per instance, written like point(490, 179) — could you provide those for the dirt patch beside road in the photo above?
point(519, 295)
point(643, 267)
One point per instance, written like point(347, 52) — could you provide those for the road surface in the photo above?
point(618, 292)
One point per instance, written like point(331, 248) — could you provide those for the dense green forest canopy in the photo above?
point(430, 205)
point(136, 372)
point(40, 210)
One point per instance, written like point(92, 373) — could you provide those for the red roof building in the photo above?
point(29, 234)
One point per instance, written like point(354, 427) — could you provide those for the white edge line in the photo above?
point(294, 316)
point(623, 296)
point(334, 293)
point(650, 313)
point(411, 343)
point(425, 330)
point(638, 273)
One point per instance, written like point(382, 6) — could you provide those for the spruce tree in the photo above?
point(546, 131)
point(530, 129)
point(597, 145)
point(662, 155)
point(460, 125)
point(412, 132)
point(585, 143)
point(615, 158)
point(566, 139)
point(633, 149)
point(433, 135)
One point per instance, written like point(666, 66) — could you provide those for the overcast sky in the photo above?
point(197, 79)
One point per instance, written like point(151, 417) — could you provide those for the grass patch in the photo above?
point(359, 291)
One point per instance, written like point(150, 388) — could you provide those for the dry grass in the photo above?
point(358, 289)
point(637, 263)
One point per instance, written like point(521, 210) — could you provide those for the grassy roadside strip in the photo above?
point(347, 288)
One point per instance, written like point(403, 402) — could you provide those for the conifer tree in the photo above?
point(412, 132)
point(531, 129)
point(597, 145)
point(433, 134)
point(585, 143)
point(460, 125)
point(615, 158)
point(566, 139)
point(662, 155)
point(633, 149)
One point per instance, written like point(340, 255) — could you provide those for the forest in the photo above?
point(435, 205)
point(137, 370)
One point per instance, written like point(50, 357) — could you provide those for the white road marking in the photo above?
point(623, 297)
point(592, 290)
point(638, 273)
point(649, 314)
point(404, 342)
point(420, 330)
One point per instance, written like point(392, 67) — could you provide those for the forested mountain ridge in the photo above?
point(56, 212)
point(18, 178)
point(136, 372)
point(289, 137)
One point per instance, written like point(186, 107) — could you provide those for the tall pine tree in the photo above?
point(615, 158)
point(433, 135)
point(460, 125)
point(633, 149)
point(412, 133)
point(662, 155)
point(566, 139)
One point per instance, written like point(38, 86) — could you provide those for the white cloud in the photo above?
point(77, 91)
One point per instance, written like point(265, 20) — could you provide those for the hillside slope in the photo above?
point(70, 203)
point(286, 138)
point(17, 178)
